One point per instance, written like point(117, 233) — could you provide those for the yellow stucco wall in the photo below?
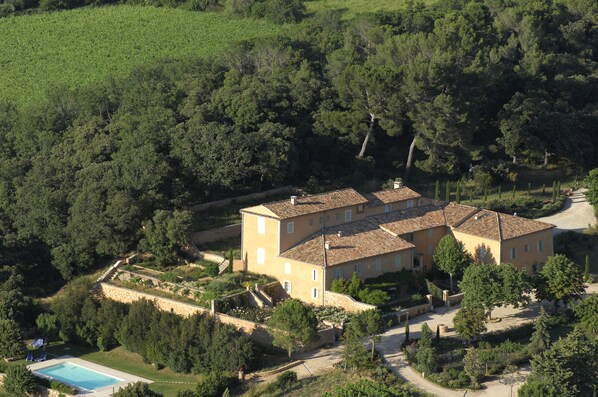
point(369, 268)
point(396, 206)
point(473, 243)
point(425, 242)
point(252, 241)
point(525, 260)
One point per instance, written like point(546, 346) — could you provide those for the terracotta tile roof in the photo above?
point(391, 196)
point(498, 226)
point(411, 220)
point(317, 203)
point(515, 226)
point(358, 240)
point(457, 213)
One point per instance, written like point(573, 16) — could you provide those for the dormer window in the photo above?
point(387, 208)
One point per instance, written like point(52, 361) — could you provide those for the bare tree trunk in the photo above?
point(514, 159)
point(451, 276)
point(367, 136)
point(409, 159)
point(546, 154)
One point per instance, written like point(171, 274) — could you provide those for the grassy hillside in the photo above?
point(87, 45)
point(352, 7)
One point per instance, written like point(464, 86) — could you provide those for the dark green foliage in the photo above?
point(513, 192)
point(165, 234)
point(438, 88)
point(358, 290)
point(450, 256)
point(537, 388)
point(367, 323)
point(592, 184)
point(560, 279)
point(540, 340)
point(447, 191)
point(18, 382)
point(437, 191)
point(212, 269)
point(293, 325)
point(427, 359)
point(137, 389)
point(11, 339)
point(283, 382)
point(407, 331)
point(425, 340)
point(569, 366)
point(61, 387)
point(587, 312)
point(458, 194)
point(368, 388)
point(213, 384)
point(488, 286)
point(231, 260)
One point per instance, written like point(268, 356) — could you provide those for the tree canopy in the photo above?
point(293, 325)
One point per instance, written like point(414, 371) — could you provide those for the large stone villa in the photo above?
point(306, 242)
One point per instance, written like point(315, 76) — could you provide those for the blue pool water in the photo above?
point(77, 376)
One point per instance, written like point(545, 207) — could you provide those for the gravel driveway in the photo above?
point(576, 215)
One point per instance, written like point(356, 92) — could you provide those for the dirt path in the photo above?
point(576, 215)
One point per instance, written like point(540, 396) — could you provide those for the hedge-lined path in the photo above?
point(576, 215)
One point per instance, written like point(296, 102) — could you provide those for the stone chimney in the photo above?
point(327, 245)
point(294, 200)
point(339, 233)
point(397, 184)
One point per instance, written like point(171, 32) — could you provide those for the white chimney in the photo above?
point(397, 184)
point(294, 200)
point(339, 233)
point(475, 217)
point(327, 245)
point(514, 214)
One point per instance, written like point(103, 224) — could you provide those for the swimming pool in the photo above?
point(77, 376)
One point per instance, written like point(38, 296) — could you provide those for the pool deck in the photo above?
point(101, 392)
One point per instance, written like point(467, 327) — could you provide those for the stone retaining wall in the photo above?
point(219, 233)
point(257, 332)
point(242, 199)
point(453, 300)
point(346, 302)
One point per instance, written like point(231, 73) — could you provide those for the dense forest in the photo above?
point(329, 103)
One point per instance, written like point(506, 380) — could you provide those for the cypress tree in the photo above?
point(485, 195)
point(437, 191)
point(513, 195)
point(231, 260)
point(540, 339)
point(425, 340)
point(500, 192)
point(437, 333)
point(544, 189)
point(447, 194)
point(586, 272)
point(407, 331)
point(529, 188)
point(553, 190)
point(458, 194)
point(558, 189)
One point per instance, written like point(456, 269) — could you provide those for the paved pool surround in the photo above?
point(123, 378)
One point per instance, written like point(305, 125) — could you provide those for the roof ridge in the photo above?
point(315, 195)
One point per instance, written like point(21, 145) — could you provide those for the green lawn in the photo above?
point(353, 7)
point(84, 46)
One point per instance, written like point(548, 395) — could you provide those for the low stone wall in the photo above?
point(346, 302)
point(413, 311)
point(219, 233)
point(242, 199)
point(212, 257)
point(453, 300)
point(257, 332)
